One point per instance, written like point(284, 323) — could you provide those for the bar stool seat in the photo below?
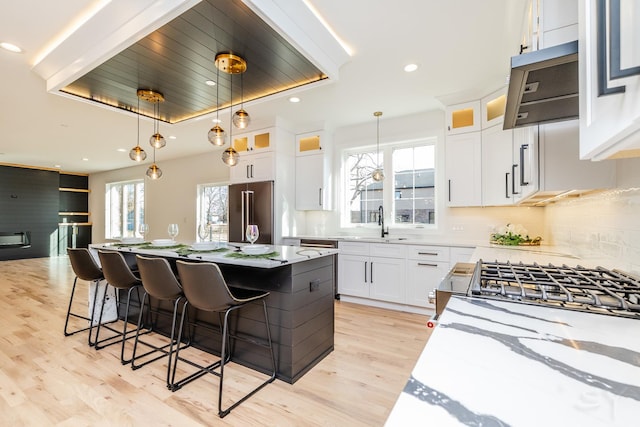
point(119, 275)
point(159, 282)
point(85, 268)
point(205, 289)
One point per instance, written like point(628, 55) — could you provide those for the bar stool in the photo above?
point(159, 282)
point(85, 268)
point(118, 275)
point(205, 289)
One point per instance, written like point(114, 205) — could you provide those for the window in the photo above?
point(364, 195)
point(409, 170)
point(414, 185)
point(213, 201)
point(124, 202)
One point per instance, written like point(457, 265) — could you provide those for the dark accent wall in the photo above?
point(29, 201)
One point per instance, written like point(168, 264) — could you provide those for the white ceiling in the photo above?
point(462, 47)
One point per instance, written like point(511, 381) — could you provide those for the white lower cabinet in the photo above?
point(394, 273)
point(426, 266)
point(422, 278)
point(367, 276)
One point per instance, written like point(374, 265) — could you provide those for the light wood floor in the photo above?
point(47, 379)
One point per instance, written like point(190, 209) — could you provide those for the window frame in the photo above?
point(388, 197)
point(138, 210)
point(220, 229)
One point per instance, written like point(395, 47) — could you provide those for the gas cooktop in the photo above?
point(596, 290)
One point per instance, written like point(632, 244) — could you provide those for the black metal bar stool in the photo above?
point(205, 289)
point(119, 275)
point(85, 268)
point(159, 282)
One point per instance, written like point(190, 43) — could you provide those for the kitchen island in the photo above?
point(300, 303)
point(496, 363)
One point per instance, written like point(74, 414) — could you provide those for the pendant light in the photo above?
point(377, 174)
point(230, 64)
point(137, 154)
point(216, 134)
point(241, 118)
point(156, 140)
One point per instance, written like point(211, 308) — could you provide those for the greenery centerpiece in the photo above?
point(514, 235)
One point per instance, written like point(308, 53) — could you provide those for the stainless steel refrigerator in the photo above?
point(251, 203)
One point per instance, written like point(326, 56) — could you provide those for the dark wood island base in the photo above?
point(301, 314)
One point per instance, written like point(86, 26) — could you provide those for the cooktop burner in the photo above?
point(597, 290)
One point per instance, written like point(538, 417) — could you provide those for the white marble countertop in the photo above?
point(284, 254)
point(494, 363)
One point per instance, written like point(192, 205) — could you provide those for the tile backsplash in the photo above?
point(603, 227)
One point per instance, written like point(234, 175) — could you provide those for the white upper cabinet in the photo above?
point(310, 143)
point(463, 169)
point(609, 81)
point(558, 22)
point(254, 167)
point(313, 172)
point(492, 107)
point(261, 140)
point(463, 118)
point(498, 169)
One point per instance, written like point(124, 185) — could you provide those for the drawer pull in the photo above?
point(427, 264)
point(428, 253)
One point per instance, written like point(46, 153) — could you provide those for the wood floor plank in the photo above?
point(49, 379)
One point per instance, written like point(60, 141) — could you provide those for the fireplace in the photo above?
point(20, 239)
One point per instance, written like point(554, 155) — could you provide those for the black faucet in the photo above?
point(381, 222)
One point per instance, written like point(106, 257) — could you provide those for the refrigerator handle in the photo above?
point(242, 213)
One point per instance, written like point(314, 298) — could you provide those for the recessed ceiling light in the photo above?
point(216, 121)
point(10, 47)
point(122, 150)
point(410, 67)
point(57, 166)
point(210, 83)
point(172, 137)
point(84, 159)
point(294, 99)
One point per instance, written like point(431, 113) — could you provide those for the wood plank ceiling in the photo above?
point(178, 58)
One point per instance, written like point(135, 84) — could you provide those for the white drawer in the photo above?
point(388, 250)
point(430, 253)
point(354, 248)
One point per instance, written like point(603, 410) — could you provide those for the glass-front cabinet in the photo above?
point(255, 141)
point(462, 118)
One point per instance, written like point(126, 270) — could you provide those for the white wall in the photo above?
point(171, 199)
point(604, 227)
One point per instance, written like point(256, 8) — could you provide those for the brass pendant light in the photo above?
point(137, 154)
point(377, 174)
point(216, 134)
point(230, 64)
point(156, 140)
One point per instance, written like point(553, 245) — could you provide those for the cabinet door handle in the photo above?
point(248, 172)
point(251, 171)
point(425, 264)
point(320, 196)
point(506, 185)
point(371, 272)
point(449, 190)
point(513, 179)
point(522, 148)
point(428, 253)
point(365, 271)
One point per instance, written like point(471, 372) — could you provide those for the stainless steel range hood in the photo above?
point(543, 86)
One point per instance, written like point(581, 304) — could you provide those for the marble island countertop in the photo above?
point(495, 363)
point(278, 255)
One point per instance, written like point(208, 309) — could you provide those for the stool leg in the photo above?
point(126, 322)
point(104, 297)
point(173, 332)
point(145, 297)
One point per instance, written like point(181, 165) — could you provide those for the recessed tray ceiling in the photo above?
point(178, 58)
